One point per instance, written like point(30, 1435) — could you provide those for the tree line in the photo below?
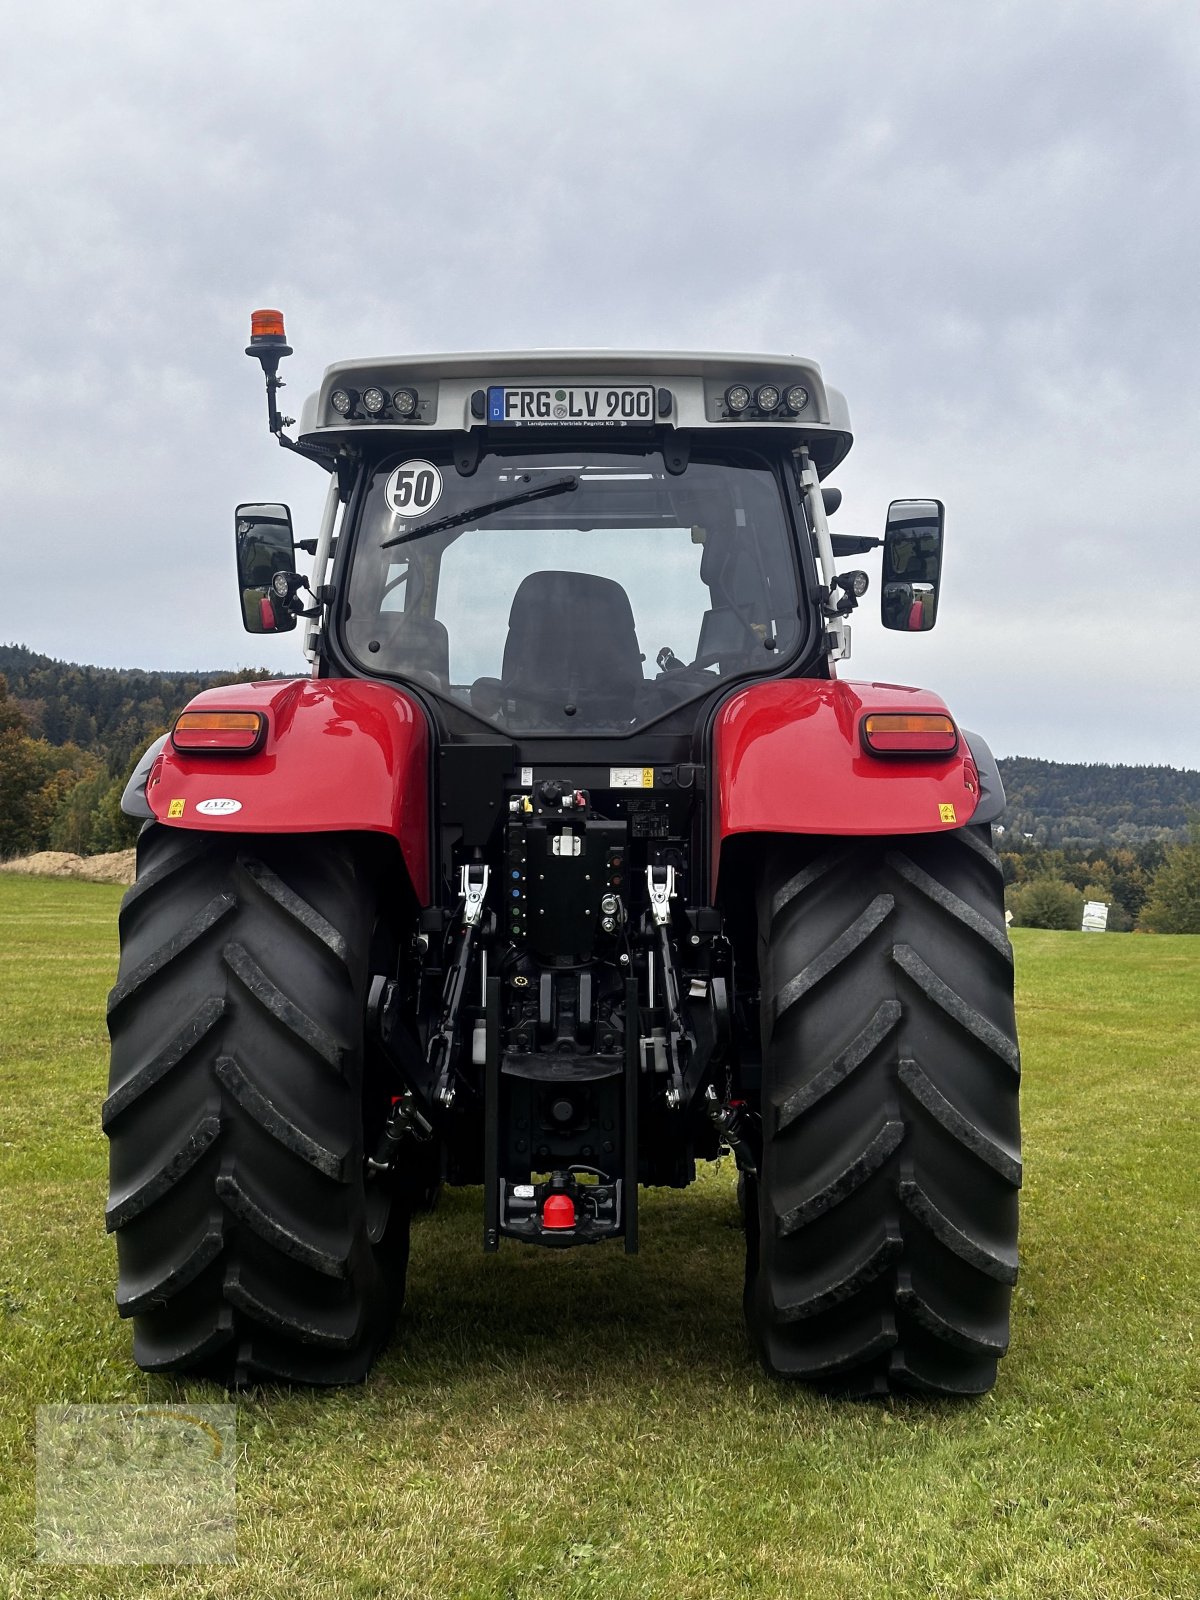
point(70, 735)
point(1152, 887)
point(1073, 832)
point(1072, 805)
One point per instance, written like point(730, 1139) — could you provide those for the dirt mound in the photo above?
point(116, 867)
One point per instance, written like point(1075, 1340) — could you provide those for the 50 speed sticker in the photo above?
point(414, 488)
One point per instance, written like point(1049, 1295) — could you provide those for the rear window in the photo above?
point(552, 592)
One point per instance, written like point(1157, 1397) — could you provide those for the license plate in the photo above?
point(556, 404)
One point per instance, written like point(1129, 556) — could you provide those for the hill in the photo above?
point(69, 735)
point(1057, 803)
point(110, 714)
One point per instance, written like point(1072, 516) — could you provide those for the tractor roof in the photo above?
point(544, 391)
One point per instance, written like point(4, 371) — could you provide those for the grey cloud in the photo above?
point(981, 221)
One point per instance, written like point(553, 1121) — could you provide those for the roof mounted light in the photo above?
point(268, 345)
point(405, 402)
point(266, 325)
point(374, 401)
point(796, 398)
point(766, 397)
point(920, 733)
point(343, 401)
point(737, 398)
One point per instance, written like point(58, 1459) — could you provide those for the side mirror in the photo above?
point(264, 544)
point(912, 564)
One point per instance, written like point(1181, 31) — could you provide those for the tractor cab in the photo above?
point(578, 543)
point(575, 542)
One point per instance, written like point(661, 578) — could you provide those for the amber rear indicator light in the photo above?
point(219, 732)
point(912, 733)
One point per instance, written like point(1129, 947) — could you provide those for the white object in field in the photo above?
point(1095, 916)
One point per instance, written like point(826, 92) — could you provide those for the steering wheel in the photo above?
point(710, 658)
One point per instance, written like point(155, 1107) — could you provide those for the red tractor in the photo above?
point(571, 862)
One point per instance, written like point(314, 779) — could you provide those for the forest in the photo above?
point(1061, 804)
point(70, 735)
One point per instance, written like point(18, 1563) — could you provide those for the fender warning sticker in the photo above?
point(947, 813)
point(176, 808)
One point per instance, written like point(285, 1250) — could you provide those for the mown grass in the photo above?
point(593, 1425)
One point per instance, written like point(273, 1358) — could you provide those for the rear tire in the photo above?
point(248, 1245)
point(885, 1250)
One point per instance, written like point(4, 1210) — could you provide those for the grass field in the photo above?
point(591, 1425)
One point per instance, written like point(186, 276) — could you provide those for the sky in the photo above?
point(981, 221)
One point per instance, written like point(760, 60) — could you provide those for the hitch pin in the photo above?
point(729, 1121)
point(404, 1121)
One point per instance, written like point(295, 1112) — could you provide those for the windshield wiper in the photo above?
point(540, 492)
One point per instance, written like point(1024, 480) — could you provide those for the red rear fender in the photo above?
point(789, 758)
point(339, 755)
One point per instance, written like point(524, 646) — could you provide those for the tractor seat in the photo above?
point(417, 647)
point(571, 641)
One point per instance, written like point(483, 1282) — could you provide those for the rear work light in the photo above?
point(219, 732)
point(912, 733)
